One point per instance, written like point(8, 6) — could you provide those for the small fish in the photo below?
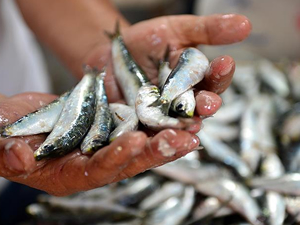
point(39, 121)
point(288, 184)
point(211, 206)
point(125, 119)
point(184, 105)
point(168, 190)
point(103, 122)
point(221, 152)
point(74, 121)
point(236, 194)
point(152, 117)
point(128, 73)
point(189, 71)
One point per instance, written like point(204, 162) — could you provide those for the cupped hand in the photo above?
point(133, 152)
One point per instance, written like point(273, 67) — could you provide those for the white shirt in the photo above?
point(22, 67)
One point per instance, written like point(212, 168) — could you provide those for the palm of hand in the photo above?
point(133, 152)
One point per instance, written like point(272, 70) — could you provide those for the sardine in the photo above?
point(236, 194)
point(221, 152)
point(125, 119)
point(74, 121)
point(103, 122)
point(288, 184)
point(153, 117)
point(184, 105)
point(189, 71)
point(39, 121)
point(128, 73)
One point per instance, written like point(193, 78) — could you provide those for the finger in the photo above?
point(219, 76)
point(208, 103)
point(16, 158)
point(107, 163)
point(166, 146)
point(215, 29)
point(15, 107)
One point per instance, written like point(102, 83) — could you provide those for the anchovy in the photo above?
point(39, 121)
point(125, 119)
point(103, 123)
point(128, 73)
point(189, 71)
point(74, 121)
point(153, 117)
point(184, 105)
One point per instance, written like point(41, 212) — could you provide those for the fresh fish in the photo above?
point(40, 121)
point(125, 119)
point(174, 210)
point(273, 77)
point(189, 71)
point(128, 73)
point(236, 194)
point(153, 117)
point(168, 190)
point(220, 131)
point(211, 206)
point(249, 137)
point(275, 203)
point(288, 184)
point(103, 123)
point(74, 121)
point(221, 152)
point(184, 105)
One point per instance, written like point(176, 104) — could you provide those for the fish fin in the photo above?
point(117, 32)
point(87, 69)
point(101, 73)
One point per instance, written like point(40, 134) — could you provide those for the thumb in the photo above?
point(16, 158)
point(217, 29)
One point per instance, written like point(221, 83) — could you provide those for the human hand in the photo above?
point(133, 152)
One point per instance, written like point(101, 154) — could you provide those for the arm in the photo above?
point(71, 28)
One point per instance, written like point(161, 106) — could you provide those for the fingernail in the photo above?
point(194, 143)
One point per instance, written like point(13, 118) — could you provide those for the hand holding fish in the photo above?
point(133, 152)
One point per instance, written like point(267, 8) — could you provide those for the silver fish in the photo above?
point(168, 190)
point(125, 119)
point(128, 73)
point(39, 121)
point(184, 105)
point(221, 152)
point(235, 194)
point(286, 184)
point(189, 71)
point(211, 206)
point(74, 121)
point(174, 210)
point(153, 117)
point(277, 80)
point(103, 123)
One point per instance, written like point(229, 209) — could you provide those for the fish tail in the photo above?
point(117, 32)
point(3, 132)
point(167, 52)
point(100, 73)
point(163, 105)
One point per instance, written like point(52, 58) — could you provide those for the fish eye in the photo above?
point(179, 107)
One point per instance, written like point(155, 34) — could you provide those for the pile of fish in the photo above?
point(246, 173)
point(82, 117)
